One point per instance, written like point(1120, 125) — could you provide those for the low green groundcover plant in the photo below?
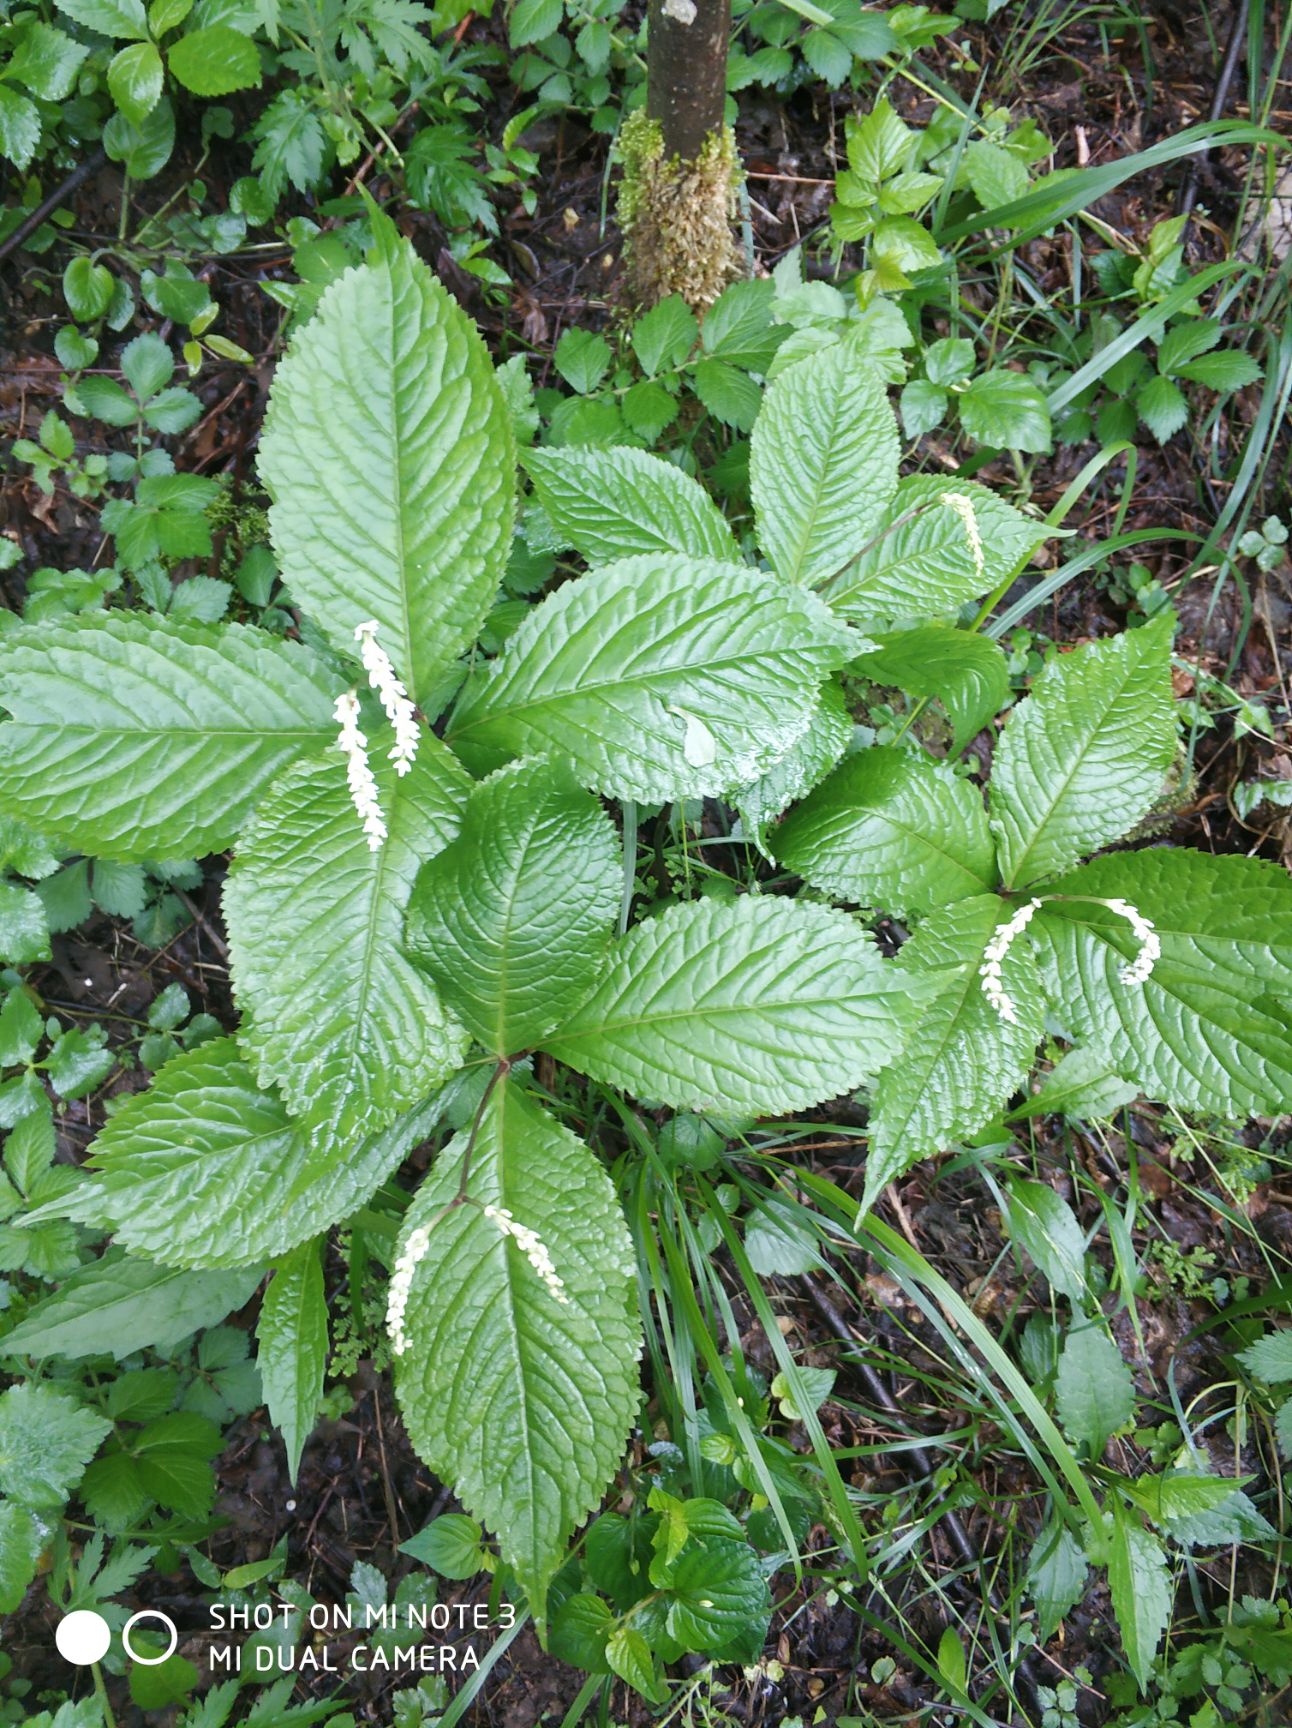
point(412, 913)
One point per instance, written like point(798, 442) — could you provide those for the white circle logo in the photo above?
point(82, 1637)
point(149, 1614)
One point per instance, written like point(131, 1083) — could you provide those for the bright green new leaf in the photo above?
point(388, 453)
point(1140, 1581)
point(1093, 1387)
point(215, 61)
point(135, 80)
point(757, 1005)
point(334, 1013)
point(1082, 759)
point(205, 1169)
point(121, 18)
point(136, 738)
point(1207, 1029)
point(923, 560)
point(1082, 1086)
point(292, 1347)
point(1007, 411)
point(521, 1399)
point(716, 1589)
point(965, 1058)
point(1057, 1570)
point(891, 828)
point(450, 1545)
point(822, 465)
point(513, 919)
point(613, 503)
point(1042, 1222)
point(656, 677)
point(117, 1305)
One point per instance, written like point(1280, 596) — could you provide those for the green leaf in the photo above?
point(215, 61)
point(135, 738)
point(891, 828)
point(146, 363)
point(1006, 411)
point(388, 454)
point(1206, 1029)
point(920, 561)
point(965, 1059)
point(717, 1589)
point(24, 930)
point(757, 1005)
point(996, 175)
point(1140, 1582)
point(1229, 370)
point(205, 1144)
point(656, 678)
point(449, 1545)
point(728, 392)
point(967, 673)
point(22, 1540)
point(628, 1655)
point(663, 337)
point(117, 1305)
point(142, 150)
point(334, 1013)
point(1042, 1222)
point(122, 18)
point(44, 60)
point(738, 327)
point(1185, 341)
point(292, 1347)
point(583, 359)
point(1082, 759)
point(924, 406)
point(1162, 407)
point(1093, 1388)
point(20, 127)
point(87, 288)
point(822, 465)
point(612, 503)
point(1082, 1086)
point(135, 81)
point(811, 756)
point(1056, 1575)
point(904, 243)
point(1270, 1357)
point(513, 919)
point(521, 1401)
point(46, 1440)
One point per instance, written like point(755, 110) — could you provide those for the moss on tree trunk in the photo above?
point(677, 201)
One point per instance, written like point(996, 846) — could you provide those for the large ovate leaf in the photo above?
point(811, 757)
point(1208, 1028)
point(756, 1005)
point(334, 1013)
point(655, 678)
point(921, 560)
point(205, 1169)
point(891, 828)
point(133, 737)
point(520, 1400)
point(1082, 759)
point(822, 464)
point(388, 454)
point(1094, 1390)
point(613, 503)
point(965, 1058)
point(513, 919)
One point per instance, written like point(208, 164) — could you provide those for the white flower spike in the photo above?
point(963, 506)
point(1150, 943)
point(401, 1283)
point(532, 1247)
point(394, 697)
point(993, 959)
point(363, 788)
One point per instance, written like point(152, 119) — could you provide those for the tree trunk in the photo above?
point(677, 201)
point(686, 71)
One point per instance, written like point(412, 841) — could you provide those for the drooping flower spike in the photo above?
point(394, 696)
point(363, 788)
point(993, 960)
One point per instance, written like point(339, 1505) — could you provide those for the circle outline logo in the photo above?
point(167, 1622)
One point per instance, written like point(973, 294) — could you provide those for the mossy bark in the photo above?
point(678, 197)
